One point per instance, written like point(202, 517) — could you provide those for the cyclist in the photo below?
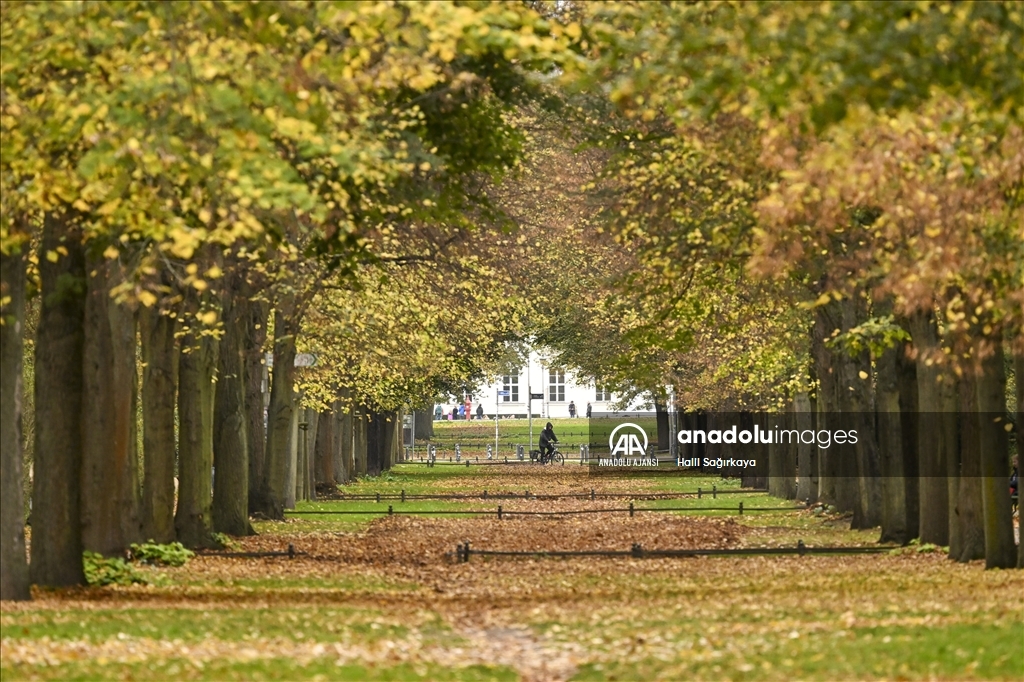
point(547, 437)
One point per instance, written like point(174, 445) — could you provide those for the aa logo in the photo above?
point(629, 440)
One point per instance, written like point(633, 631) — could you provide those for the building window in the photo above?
point(603, 394)
point(556, 385)
point(510, 383)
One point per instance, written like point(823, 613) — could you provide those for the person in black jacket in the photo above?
point(547, 437)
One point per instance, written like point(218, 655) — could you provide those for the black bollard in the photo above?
point(630, 510)
point(741, 509)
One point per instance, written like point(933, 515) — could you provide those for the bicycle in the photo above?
point(555, 457)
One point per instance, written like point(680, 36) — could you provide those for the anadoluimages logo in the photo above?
point(628, 442)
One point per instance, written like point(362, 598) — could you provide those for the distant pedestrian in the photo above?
point(438, 413)
point(455, 413)
point(480, 411)
point(589, 410)
point(572, 409)
point(461, 414)
point(469, 407)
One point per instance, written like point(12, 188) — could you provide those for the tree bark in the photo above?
point(57, 469)
point(279, 420)
point(374, 442)
point(807, 461)
point(230, 422)
point(424, 425)
point(324, 449)
point(256, 380)
point(1000, 550)
point(159, 388)
point(1018, 370)
point(907, 369)
point(890, 448)
point(14, 578)
point(968, 509)
point(948, 423)
point(196, 365)
point(826, 319)
point(110, 515)
point(933, 490)
point(360, 429)
point(661, 419)
point(344, 464)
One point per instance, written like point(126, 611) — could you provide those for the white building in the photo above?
point(555, 387)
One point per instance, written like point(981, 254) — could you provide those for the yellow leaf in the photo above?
point(109, 207)
point(200, 285)
point(208, 318)
point(110, 253)
point(52, 256)
point(147, 298)
point(213, 273)
point(863, 374)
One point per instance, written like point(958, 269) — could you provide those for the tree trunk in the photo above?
point(933, 490)
point(374, 442)
point(424, 427)
point(360, 431)
point(310, 466)
point(324, 449)
point(907, 369)
point(826, 320)
point(291, 471)
point(661, 419)
point(890, 448)
point(807, 461)
point(57, 469)
point(344, 464)
point(196, 366)
point(995, 495)
point(948, 423)
point(256, 379)
point(14, 579)
point(1018, 371)
point(110, 515)
point(280, 422)
point(782, 458)
point(230, 422)
point(159, 385)
point(968, 509)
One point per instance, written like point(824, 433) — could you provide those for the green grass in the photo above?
point(906, 616)
point(970, 652)
point(284, 669)
point(223, 621)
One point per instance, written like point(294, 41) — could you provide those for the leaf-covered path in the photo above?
point(383, 598)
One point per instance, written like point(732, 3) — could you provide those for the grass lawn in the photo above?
point(380, 598)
